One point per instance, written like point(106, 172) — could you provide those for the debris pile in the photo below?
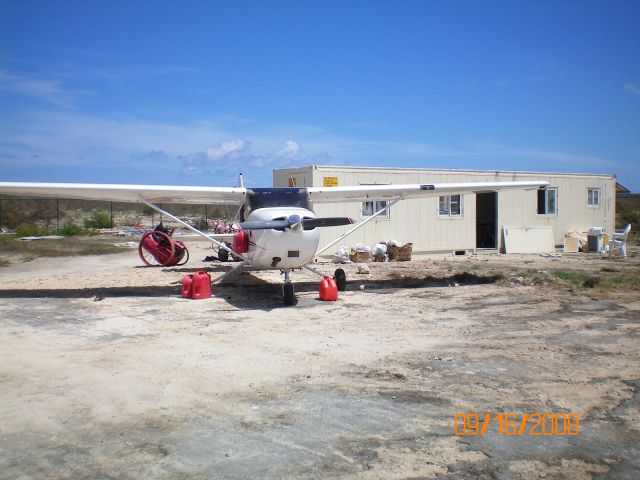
point(391, 251)
point(541, 278)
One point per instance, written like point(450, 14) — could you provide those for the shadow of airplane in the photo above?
point(251, 292)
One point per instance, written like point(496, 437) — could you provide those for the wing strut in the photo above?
point(313, 270)
point(226, 274)
point(193, 229)
point(359, 225)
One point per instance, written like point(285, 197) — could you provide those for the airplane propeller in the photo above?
point(294, 222)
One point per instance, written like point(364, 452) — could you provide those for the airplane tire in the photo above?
point(341, 279)
point(288, 294)
point(223, 255)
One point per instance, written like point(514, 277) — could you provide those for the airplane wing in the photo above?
point(219, 236)
point(364, 193)
point(127, 193)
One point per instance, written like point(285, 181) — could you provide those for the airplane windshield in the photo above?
point(277, 197)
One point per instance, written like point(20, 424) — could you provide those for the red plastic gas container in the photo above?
point(328, 289)
point(196, 286)
point(241, 242)
point(187, 283)
point(201, 287)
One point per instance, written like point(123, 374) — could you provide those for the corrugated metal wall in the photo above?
point(418, 221)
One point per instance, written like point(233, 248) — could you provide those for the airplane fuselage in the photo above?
point(284, 249)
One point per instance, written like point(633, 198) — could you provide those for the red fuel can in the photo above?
point(241, 242)
point(201, 287)
point(328, 289)
point(187, 283)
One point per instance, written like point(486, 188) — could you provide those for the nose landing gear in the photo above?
point(288, 294)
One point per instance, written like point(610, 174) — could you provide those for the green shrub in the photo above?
point(99, 219)
point(30, 230)
point(71, 230)
point(574, 278)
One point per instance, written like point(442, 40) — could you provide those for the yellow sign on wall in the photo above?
point(329, 181)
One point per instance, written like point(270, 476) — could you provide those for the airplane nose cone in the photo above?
point(295, 223)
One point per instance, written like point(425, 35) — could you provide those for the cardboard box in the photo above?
point(405, 252)
point(359, 257)
point(570, 245)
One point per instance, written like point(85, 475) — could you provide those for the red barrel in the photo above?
point(201, 287)
point(241, 242)
point(328, 289)
point(187, 283)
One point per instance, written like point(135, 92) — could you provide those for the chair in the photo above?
point(620, 239)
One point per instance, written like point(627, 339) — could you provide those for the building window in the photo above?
point(450, 205)
point(593, 197)
point(548, 201)
point(369, 208)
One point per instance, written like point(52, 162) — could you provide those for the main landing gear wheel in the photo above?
point(288, 294)
point(341, 279)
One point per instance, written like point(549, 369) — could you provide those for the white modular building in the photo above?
point(457, 223)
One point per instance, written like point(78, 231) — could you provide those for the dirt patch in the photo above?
point(145, 384)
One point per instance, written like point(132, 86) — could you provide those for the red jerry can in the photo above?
point(241, 242)
point(187, 283)
point(328, 289)
point(201, 287)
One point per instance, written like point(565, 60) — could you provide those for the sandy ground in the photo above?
point(106, 373)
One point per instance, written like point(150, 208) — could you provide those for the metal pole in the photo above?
point(206, 218)
point(359, 225)
point(313, 270)
point(57, 214)
point(0, 214)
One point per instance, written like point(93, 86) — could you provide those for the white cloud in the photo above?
point(49, 91)
point(489, 149)
point(55, 89)
point(221, 148)
point(290, 150)
point(226, 156)
point(127, 73)
point(228, 149)
point(238, 154)
point(632, 88)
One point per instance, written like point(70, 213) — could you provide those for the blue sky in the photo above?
point(194, 92)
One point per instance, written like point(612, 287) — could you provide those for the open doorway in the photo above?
point(487, 220)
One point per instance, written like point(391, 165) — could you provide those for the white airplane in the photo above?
point(279, 227)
